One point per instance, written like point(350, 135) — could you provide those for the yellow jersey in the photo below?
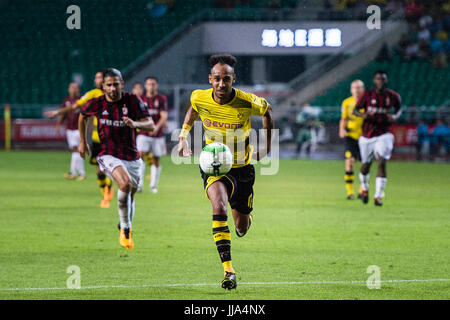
point(354, 123)
point(94, 93)
point(229, 123)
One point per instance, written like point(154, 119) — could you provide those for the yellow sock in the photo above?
point(222, 238)
point(349, 177)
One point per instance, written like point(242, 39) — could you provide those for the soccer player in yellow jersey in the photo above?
point(350, 129)
point(104, 182)
point(225, 113)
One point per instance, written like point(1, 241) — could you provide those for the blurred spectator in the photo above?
point(424, 50)
point(159, 8)
point(425, 21)
point(413, 11)
point(440, 138)
point(423, 140)
point(424, 34)
point(384, 54)
point(411, 51)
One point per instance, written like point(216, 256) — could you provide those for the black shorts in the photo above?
point(352, 149)
point(239, 183)
point(95, 150)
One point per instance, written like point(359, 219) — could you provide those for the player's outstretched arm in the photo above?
point(267, 122)
point(145, 124)
point(189, 119)
point(62, 111)
point(164, 115)
point(83, 147)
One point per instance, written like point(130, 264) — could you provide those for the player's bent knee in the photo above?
point(220, 207)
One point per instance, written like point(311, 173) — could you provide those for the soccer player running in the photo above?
point(219, 108)
point(119, 114)
point(103, 181)
point(350, 129)
point(376, 142)
point(72, 134)
point(153, 142)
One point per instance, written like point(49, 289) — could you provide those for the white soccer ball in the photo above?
point(216, 159)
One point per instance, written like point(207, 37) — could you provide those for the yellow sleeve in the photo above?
point(194, 96)
point(259, 105)
point(84, 99)
point(344, 109)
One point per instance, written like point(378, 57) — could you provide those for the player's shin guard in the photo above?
point(380, 184)
point(222, 238)
point(79, 164)
point(132, 208)
point(349, 177)
point(364, 180)
point(124, 208)
point(73, 164)
point(154, 178)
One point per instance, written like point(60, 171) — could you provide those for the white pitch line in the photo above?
point(169, 285)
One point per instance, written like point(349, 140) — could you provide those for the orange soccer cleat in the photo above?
point(125, 239)
point(105, 204)
point(69, 176)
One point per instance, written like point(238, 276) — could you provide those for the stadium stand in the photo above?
point(416, 80)
point(35, 40)
point(418, 69)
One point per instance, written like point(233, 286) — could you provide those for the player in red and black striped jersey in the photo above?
point(72, 133)
point(153, 142)
point(119, 114)
point(379, 107)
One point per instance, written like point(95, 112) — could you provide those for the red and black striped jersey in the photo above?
point(377, 106)
point(116, 138)
point(155, 105)
point(72, 117)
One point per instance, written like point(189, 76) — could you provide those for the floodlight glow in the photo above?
point(315, 38)
point(286, 38)
point(300, 38)
point(269, 38)
point(333, 37)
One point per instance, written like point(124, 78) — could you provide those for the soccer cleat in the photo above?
point(365, 196)
point(378, 202)
point(81, 178)
point(240, 235)
point(350, 197)
point(69, 176)
point(360, 195)
point(229, 282)
point(153, 190)
point(105, 204)
point(125, 239)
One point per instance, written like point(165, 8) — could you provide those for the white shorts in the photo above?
point(73, 138)
point(108, 163)
point(375, 147)
point(155, 145)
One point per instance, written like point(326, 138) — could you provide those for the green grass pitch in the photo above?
point(306, 242)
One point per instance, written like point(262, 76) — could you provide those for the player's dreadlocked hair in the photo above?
point(222, 59)
point(111, 72)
